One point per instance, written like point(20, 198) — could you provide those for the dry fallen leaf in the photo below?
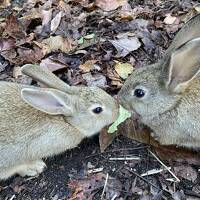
point(169, 19)
point(10, 55)
point(52, 65)
point(26, 55)
point(197, 8)
point(4, 3)
point(7, 49)
point(30, 4)
point(86, 4)
point(55, 43)
point(105, 139)
point(17, 72)
point(7, 44)
point(126, 12)
point(125, 45)
point(3, 65)
point(123, 69)
point(179, 195)
point(63, 6)
point(85, 188)
point(185, 171)
point(28, 39)
point(19, 188)
point(31, 14)
point(72, 26)
point(115, 79)
point(56, 21)
point(14, 28)
point(108, 5)
point(97, 80)
point(46, 16)
point(131, 129)
point(89, 65)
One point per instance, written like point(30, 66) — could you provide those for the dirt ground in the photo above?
point(53, 183)
point(70, 176)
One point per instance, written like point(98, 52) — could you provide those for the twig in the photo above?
point(104, 188)
point(100, 169)
point(144, 179)
point(167, 168)
point(153, 171)
point(13, 196)
point(171, 179)
point(191, 193)
point(114, 197)
point(116, 150)
point(126, 158)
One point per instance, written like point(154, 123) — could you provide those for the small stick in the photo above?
point(153, 171)
point(145, 180)
point(167, 168)
point(170, 179)
point(114, 197)
point(116, 150)
point(126, 158)
point(90, 171)
point(191, 193)
point(104, 188)
point(13, 196)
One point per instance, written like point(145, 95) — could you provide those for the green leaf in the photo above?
point(90, 36)
point(123, 115)
point(86, 37)
point(81, 40)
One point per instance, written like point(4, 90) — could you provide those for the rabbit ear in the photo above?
point(46, 77)
point(191, 27)
point(184, 65)
point(53, 102)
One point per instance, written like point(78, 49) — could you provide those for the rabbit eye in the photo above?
point(97, 110)
point(139, 93)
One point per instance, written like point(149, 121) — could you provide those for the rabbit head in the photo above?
point(153, 90)
point(88, 109)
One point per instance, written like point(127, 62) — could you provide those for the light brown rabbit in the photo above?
point(39, 122)
point(166, 95)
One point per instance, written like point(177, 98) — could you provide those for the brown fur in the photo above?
point(171, 107)
point(27, 135)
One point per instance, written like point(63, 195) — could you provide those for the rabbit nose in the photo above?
point(122, 101)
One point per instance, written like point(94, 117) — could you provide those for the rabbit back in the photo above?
point(16, 115)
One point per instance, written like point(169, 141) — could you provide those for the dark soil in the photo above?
point(52, 184)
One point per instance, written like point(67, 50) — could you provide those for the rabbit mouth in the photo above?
point(135, 115)
point(130, 108)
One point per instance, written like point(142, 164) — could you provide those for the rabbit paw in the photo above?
point(155, 136)
point(32, 169)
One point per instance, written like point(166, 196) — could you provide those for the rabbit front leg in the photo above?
point(32, 168)
point(155, 136)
